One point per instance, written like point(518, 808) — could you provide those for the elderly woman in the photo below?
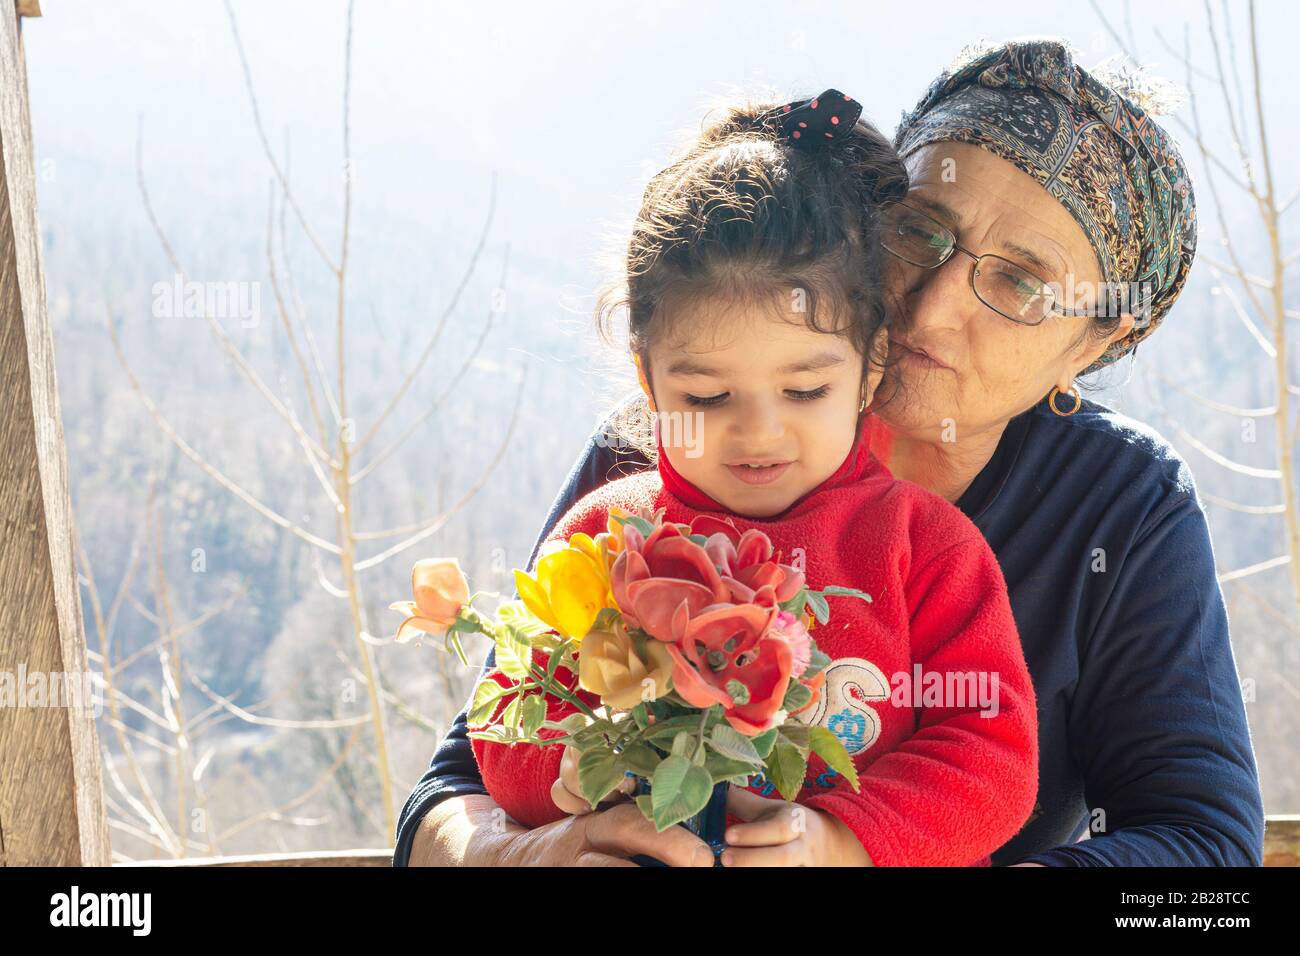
point(1048, 228)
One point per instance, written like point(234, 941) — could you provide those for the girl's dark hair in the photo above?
point(746, 213)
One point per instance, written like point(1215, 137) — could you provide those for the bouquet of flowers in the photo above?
point(696, 639)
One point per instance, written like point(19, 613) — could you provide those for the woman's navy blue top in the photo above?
point(1143, 741)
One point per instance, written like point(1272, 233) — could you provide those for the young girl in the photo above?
point(757, 325)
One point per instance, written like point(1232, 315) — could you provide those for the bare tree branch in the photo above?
point(1217, 406)
point(250, 718)
point(1254, 569)
point(446, 392)
point(1246, 509)
point(1226, 462)
point(287, 322)
point(208, 469)
point(436, 523)
point(1240, 311)
point(266, 146)
point(1242, 155)
point(249, 373)
point(317, 362)
point(279, 812)
point(447, 312)
point(183, 629)
point(113, 697)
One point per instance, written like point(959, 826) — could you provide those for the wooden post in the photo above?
point(51, 801)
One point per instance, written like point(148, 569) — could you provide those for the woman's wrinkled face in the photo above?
point(983, 369)
point(753, 407)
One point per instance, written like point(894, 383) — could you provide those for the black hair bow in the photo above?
point(817, 121)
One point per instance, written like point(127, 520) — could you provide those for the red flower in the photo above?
point(733, 642)
point(653, 576)
point(745, 560)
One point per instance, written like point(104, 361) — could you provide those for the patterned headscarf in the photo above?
point(1117, 173)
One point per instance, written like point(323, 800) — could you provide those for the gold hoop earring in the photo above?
point(1051, 401)
point(862, 406)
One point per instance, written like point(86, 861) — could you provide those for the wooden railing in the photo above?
point(1281, 848)
point(322, 858)
point(1282, 839)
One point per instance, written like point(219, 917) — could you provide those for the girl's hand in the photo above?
point(780, 833)
point(566, 792)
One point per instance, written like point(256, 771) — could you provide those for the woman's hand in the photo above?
point(780, 833)
point(473, 831)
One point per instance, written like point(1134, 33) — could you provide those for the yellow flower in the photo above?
point(608, 549)
point(571, 586)
point(616, 527)
point(608, 665)
point(440, 592)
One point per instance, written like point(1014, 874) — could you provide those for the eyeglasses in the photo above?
point(999, 283)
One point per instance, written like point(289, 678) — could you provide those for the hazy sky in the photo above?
point(573, 104)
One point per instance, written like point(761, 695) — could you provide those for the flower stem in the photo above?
point(559, 691)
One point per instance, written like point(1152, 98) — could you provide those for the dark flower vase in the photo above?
point(710, 824)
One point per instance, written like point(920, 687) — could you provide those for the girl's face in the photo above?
point(736, 386)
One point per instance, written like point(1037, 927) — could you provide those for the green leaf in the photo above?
point(516, 614)
point(670, 728)
point(487, 695)
point(510, 716)
point(570, 725)
point(601, 725)
point(678, 790)
point(514, 654)
point(680, 743)
point(785, 768)
point(641, 714)
point(831, 749)
point(764, 741)
point(796, 735)
point(723, 768)
point(797, 695)
point(641, 759)
point(835, 590)
point(673, 703)
point(553, 662)
point(796, 604)
point(819, 607)
point(645, 804)
point(818, 661)
point(592, 736)
point(534, 712)
point(598, 775)
point(498, 734)
point(732, 744)
point(645, 527)
point(547, 642)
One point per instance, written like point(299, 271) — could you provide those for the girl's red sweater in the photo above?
point(928, 686)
